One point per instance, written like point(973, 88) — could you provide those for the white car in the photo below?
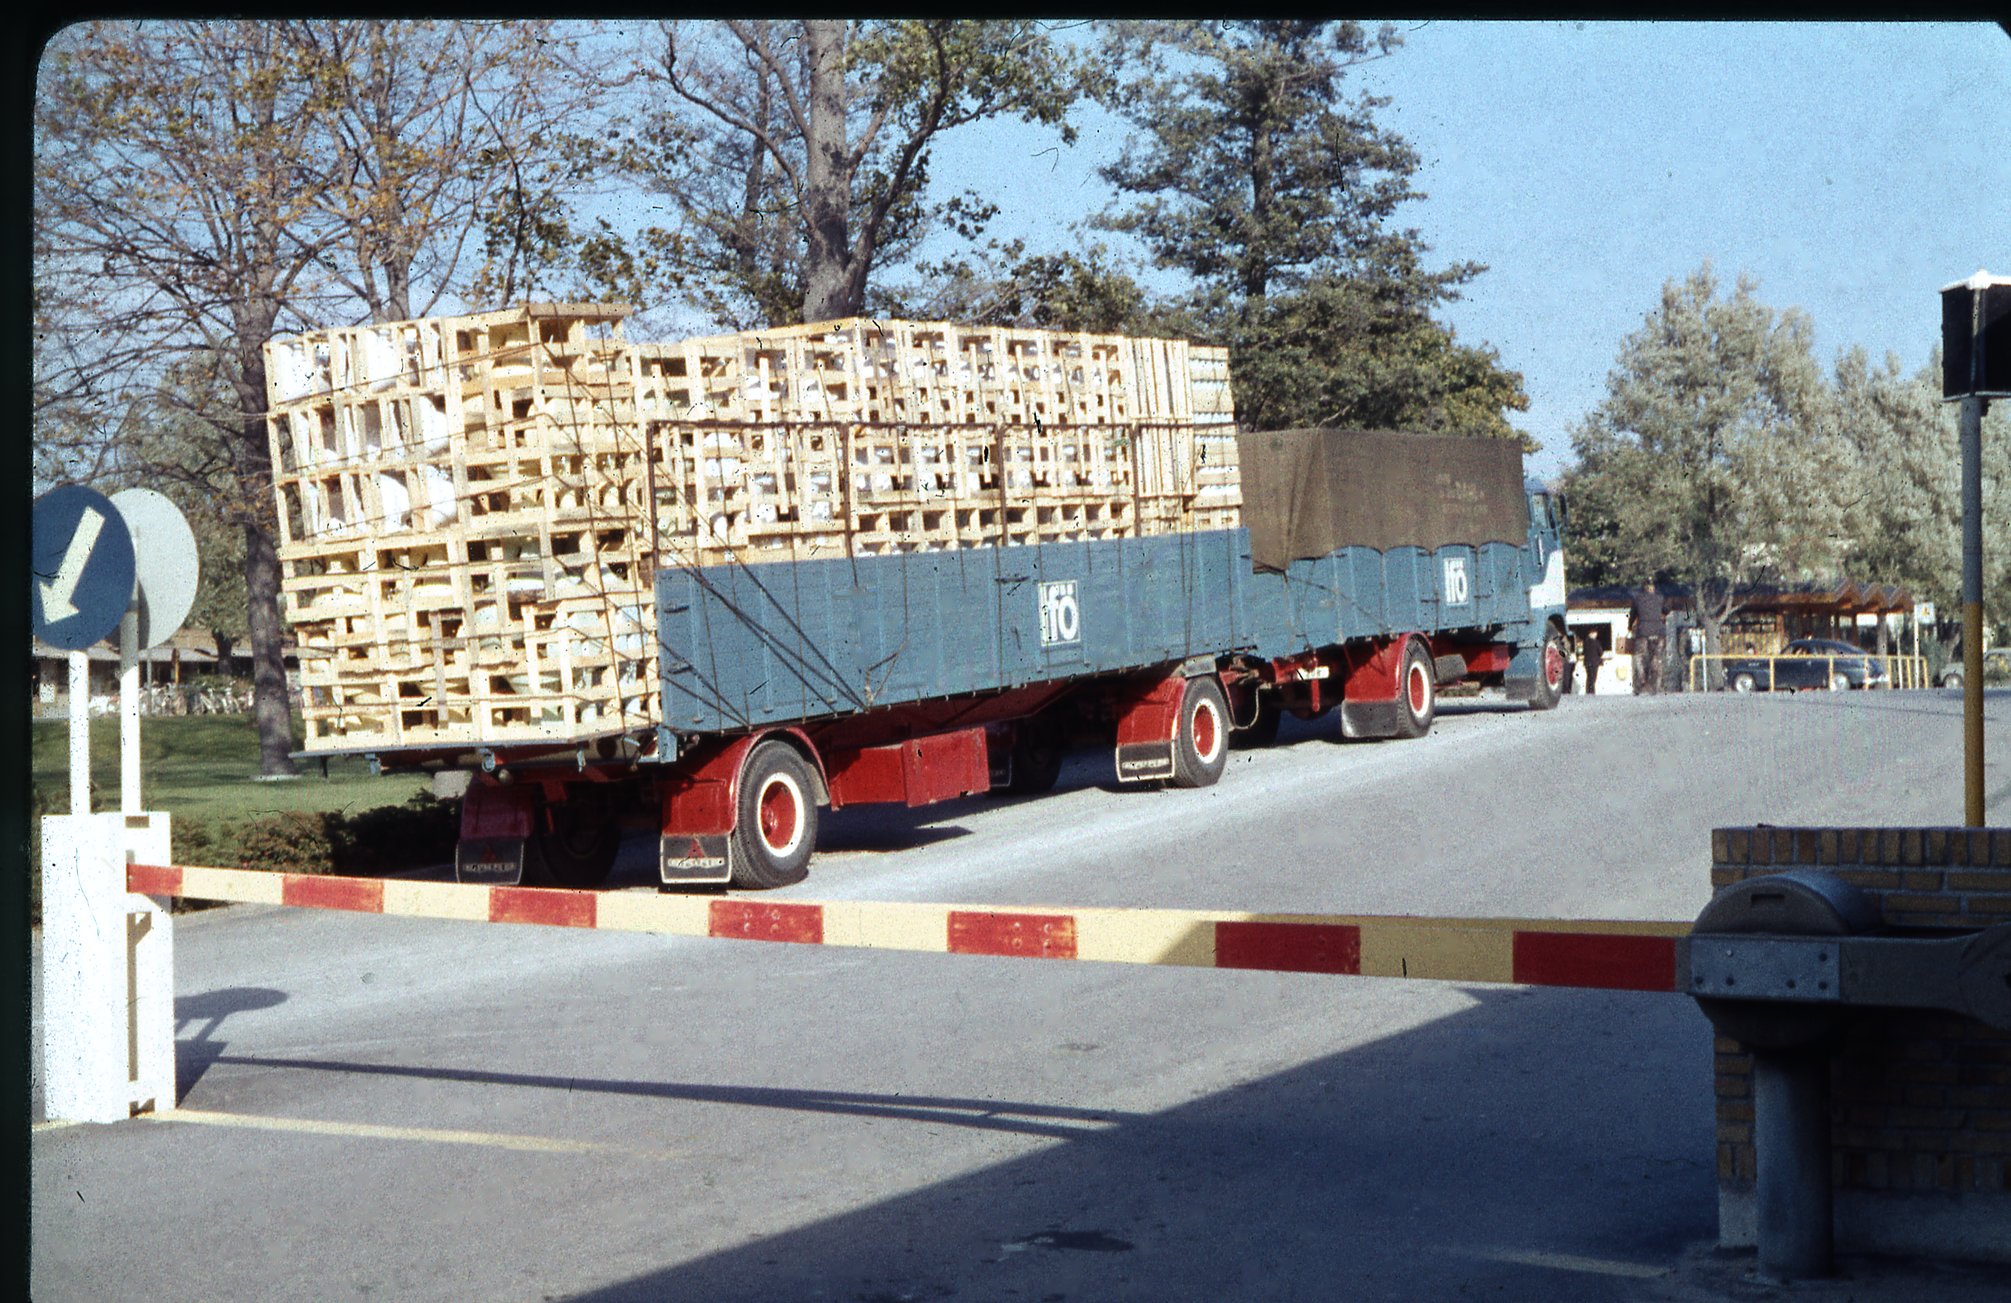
point(1996, 668)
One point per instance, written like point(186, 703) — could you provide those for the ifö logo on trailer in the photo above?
point(1455, 581)
point(1060, 616)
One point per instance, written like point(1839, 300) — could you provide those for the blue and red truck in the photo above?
point(1373, 571)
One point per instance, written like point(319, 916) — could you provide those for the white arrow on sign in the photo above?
point(59, 589)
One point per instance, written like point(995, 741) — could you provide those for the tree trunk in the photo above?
point(828, 291)
point(270, 709)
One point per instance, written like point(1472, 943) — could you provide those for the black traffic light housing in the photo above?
point(1976, 337)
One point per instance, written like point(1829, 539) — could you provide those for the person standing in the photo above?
point(1594, 653)
point(1645, 622)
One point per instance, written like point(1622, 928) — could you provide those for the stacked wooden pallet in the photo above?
point(472, 508)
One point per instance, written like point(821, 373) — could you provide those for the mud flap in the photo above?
point(1144, 762)
point(687, 858)
point(1370, 719)
point(491, 861)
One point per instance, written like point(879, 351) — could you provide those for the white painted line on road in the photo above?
point(369, 1131)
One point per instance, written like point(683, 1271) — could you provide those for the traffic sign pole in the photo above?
point(129, 713)
point(1972, 611)
point(80, 733)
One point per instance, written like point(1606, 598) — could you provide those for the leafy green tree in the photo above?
point(1902, 495)
point(1257, 176)
point(796, 154)
point(1004, 285)
point(1714, 459)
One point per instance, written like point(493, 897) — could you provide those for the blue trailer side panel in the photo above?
point(744, 646)
point(1358, 592)
point(747, 646)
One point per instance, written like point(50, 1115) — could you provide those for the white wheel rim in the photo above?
point(785, 787)
point(1206, 722)
point(1417, 690)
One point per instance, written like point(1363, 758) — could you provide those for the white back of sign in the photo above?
point(165, 566)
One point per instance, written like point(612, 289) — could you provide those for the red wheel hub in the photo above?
point(1553, 663)
point(1205, 731)
point(779, 815)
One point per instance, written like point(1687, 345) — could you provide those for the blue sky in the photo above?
point(1852, 168)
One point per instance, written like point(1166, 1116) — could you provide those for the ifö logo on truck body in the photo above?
point(1456, 587)
point(1060, 614)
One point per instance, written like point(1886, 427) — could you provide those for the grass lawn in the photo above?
point(206, 766)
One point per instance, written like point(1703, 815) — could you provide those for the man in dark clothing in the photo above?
point(1594, 653)
point(1645, 623)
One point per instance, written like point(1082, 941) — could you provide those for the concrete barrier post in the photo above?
point(107, 970)
point(1791, 1138)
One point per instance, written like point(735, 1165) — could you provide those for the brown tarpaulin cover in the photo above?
point(1308, 492)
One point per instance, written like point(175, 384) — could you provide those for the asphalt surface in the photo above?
point(409, 1109)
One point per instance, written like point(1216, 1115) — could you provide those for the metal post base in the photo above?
point(1791, 1145)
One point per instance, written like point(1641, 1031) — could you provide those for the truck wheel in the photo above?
point(1417, 692)
point(777, 825)
point(1551, 673)
point(1201, 747)
point(1039, 746)
point(575, 843)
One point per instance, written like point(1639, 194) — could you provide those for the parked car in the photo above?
point(1809, 663)
point(1996, 668)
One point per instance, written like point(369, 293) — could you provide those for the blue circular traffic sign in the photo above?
point(82, 579)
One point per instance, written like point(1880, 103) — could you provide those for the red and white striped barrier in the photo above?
point(1607, 955)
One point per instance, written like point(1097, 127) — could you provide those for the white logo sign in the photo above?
point(1455, 581)
point(1060, 616)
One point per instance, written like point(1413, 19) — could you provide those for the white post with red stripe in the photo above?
point(108, 1024)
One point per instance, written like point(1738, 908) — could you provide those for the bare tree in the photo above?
point(450, 153)
point(170, 165)
point(804, 167)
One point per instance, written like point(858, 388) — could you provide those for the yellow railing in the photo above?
point(1902, 671)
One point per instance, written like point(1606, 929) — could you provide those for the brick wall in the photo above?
point(1920, 1103)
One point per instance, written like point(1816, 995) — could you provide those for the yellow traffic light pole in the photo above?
point(1972, 610)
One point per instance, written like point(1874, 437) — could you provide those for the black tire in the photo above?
point(1553, 671)
point(1201, 744)
point(1417, 692)
point(1263, 730)
point(573, 843)
point(1039, 745)
point(1743, 681)
point(775, 830)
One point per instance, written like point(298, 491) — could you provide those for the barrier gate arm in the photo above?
point(1776, 963)
point(1599, 954)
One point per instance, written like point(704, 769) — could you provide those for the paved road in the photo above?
point(410, 1109)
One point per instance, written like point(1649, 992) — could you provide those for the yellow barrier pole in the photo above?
point(1972, 610)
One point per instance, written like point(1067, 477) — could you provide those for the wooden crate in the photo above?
point(472, 509)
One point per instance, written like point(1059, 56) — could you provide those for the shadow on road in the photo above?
point(1516, 1150)
point(983, 1114)
point(207, 1012)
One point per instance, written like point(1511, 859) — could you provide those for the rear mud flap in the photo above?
point(1370, 719)
point(684, 858)
point(1144, 762)
point(491, 861)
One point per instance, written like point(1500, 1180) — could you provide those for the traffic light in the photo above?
point(1976, 337)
